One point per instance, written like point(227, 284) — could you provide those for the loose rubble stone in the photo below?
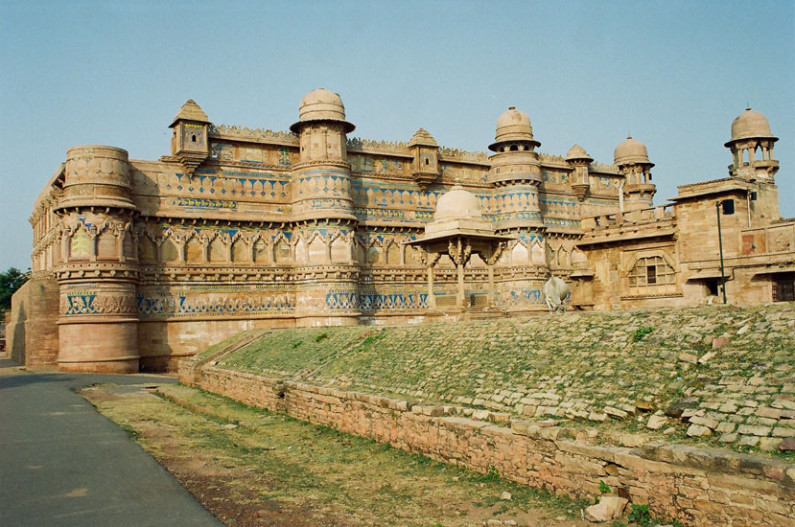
point(698, 431)
point(787, 445)
point(656, 422)
point(608, 508)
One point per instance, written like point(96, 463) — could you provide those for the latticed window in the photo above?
point(784, 288)
point(651, 271)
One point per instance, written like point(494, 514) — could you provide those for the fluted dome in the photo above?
point(513, 125)
point(321, 105)
point(631, 151)
point(577, 152)
point(751, 125)
point(458, 204)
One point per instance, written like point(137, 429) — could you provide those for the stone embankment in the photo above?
point(634, 399)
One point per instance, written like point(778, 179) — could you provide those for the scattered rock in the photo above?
point(718, 342)
point(698, 431)
point(676, 409)
point(788, 445)
point(688, 357)
point(506, 496)
point(707, 357)
point(656, 422)
point(608, 508)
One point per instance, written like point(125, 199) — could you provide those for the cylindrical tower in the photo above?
point(516, 172)
point(322, 179)
point(98, 321)
point(632, 160)
point(324, 221)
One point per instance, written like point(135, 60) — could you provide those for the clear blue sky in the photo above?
point(674, 74)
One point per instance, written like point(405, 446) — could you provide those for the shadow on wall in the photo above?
point(16, 331)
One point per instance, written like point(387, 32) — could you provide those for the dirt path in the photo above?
point(253, 468)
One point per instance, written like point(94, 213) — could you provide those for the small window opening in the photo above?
point(651, 275)
point(193, 138)
point(427, 161)
point(514, 148)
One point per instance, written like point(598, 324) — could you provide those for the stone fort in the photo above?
point(137, 264)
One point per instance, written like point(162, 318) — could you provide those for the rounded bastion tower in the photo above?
point(322, 211)
point(632, 160)
point(98, 317)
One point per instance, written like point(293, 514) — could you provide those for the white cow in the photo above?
point(557, 294)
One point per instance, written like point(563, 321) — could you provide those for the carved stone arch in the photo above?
point(240, 249)
point(520, 255)
point(392, 252)
point(107, 243)
point(282, 249)
point(651, 268)
point(80, 242)
point(218, 247)
point(538, 254)
point(375, 251)
point(317, 249)
point(340, 249)
point(561, 257)
point(358, 250)
point(261, 248)
point(550, 253)
point(147, 250)
point(632, 259)
point(299, 249)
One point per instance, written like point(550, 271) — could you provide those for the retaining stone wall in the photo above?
point(699, 486)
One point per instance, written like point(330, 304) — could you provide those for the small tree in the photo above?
point(10, 281)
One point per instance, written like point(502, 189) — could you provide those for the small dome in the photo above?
point(513, 125)
point(577, 152)
point(751, 124)
point(458, 203)
point(631, 151)
point(321, 105)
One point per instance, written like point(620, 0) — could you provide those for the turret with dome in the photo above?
point(632, 159)
point(516, 172)
point(751, 146)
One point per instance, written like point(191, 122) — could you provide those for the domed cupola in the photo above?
point(513, 132)
point(751, 125)
point(458, 211)
point(515, 160)
point(752, 147)
point(321, 179)
point(321, 105)
point(579, 160)
point(516, 172)
point(631, 152)
point(632, 160)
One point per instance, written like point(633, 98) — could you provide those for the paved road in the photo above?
point(62, 463)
